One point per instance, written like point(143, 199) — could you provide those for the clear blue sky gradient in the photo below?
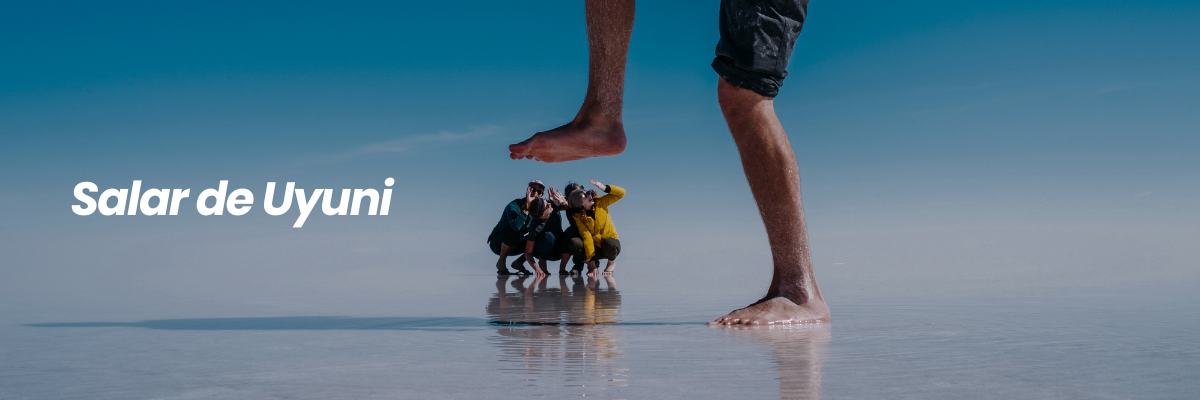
point(992, 141)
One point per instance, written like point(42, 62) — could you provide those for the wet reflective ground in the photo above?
point(571, 336)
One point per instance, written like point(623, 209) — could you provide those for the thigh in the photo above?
point(495, 246)
point(514, 240)
point(545, 246)
point(560, 243)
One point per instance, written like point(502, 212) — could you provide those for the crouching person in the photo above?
point(542, 241)
point(571, 232)
point(597, 236)
point(508, 237)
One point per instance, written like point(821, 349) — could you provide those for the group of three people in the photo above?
point(531, 229)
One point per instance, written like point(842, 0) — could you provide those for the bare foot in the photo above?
point(500, 270)
point(778, 310)
point(608, 270)
point(574, 141)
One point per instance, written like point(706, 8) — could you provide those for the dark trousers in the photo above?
point(563, 246)
point(546, 247)
point(609, 249)
point(511, 238)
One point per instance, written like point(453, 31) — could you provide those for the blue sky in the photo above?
point(995, 143)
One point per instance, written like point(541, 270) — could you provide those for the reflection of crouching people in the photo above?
point(508, 237)
point(597, 234)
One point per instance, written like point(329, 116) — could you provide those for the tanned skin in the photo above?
point(774, 178)
point(767, 160)
point(597, 129)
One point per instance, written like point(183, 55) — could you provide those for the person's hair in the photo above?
point(537, 207)
point(575, 201)
point(571, 187)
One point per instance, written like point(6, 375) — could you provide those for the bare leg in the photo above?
point(799, 351)
point(562, 285)
point(774, 177)
point(597, 129)
point(592, 269)
point(519, 265)
point(504, 249)
point(562, 265)
point(608, 269)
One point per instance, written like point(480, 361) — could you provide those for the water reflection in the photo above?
point(798, 351)
point(559, 339)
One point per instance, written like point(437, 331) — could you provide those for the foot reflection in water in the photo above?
point(798, 350)
point(557, 338)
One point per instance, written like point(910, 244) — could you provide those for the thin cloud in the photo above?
point(406, 144)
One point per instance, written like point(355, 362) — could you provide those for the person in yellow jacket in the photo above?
point(597, 235)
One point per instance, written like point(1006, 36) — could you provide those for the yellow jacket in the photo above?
point(593, 230)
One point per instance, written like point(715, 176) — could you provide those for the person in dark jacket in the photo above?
point(508, 237)
point(544, 231)
point(570, 233)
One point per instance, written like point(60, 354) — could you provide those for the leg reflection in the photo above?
point(798, 351)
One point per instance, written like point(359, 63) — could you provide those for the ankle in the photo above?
point(795, 296)
point(599, 121)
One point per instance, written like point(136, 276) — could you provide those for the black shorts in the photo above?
point(757, 37)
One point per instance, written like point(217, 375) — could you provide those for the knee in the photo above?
point(735, 100)
point(575, 246)
point(610, 248)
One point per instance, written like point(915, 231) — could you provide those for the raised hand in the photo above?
point(557, 196)
point(597, 184)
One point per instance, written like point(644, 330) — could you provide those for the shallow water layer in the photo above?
point(567, 337)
